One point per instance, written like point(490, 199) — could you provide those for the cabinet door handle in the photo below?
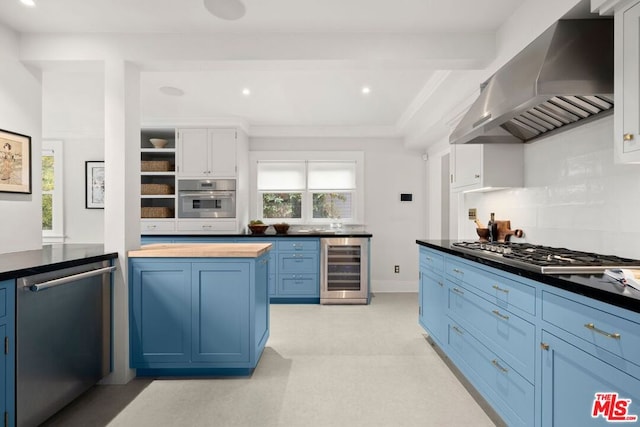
point(544, 346)
point(500, 315)
point(498, 288)
point(427, 258)
point(441, 284)
point(591, 326)
point(455, 328)
point(627, 137)
point(502, 369)
point(457, 291)
point(477, 175)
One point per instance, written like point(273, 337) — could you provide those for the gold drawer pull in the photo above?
point(544, 346)
point(627, 137)
point(615, 335)
point(497, 365)
point(455, 328)
point(498, 288)
point(500, 315)
point(458, 291)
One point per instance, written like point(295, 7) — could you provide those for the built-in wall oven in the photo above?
point(344, 272)
point(207, 198)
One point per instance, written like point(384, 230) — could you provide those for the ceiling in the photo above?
point(320, 54)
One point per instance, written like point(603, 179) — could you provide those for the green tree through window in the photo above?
point(47, 192)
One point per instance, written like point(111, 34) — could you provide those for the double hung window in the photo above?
point(307, 191)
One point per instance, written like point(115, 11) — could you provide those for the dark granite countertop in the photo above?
point(596, 286)
point(50, 258)
point(270, 233)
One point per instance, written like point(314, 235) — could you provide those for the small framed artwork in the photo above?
point(15, 162)
point(94, 182)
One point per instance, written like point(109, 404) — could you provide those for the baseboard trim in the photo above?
point(382, 286)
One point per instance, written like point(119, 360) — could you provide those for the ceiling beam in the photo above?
point(434, 51)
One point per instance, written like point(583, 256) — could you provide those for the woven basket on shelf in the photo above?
point(155, 166)
point(156, 189)
point(156, 212)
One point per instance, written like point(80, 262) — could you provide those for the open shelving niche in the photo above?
point(165, 178)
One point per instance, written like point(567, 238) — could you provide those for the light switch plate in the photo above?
point(472, 213)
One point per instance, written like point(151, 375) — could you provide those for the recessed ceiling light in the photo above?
point(226, 9)
point(246, 91)
point(171, 91)
point(28, 3)
point(366, 90)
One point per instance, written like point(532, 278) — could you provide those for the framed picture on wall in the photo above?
point(15, 162)
point(94, 183)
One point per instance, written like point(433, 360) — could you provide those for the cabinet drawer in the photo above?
point(298, 263)
point(287, 244)
point(504, 292)
point(507, 334)
point(600, 328)
point(155, 226)
point(299, 284)
point(512, 394)
point(207, 225)
point(431, 260)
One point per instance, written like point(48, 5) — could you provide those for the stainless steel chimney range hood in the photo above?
point(561, 78)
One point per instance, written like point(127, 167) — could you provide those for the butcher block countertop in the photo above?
point(201, 250)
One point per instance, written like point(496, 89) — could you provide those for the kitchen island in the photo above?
point(537, 347)
point(198, 308)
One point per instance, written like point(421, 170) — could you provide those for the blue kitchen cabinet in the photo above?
point(272, 256)
point(294, 263)
point(298, 269)
point(7, 360)
point(537, 353)
point(572, 376)
point(220, 313)
point(198, 315)
point(160, 312)
point(433, 296)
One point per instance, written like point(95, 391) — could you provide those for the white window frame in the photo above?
point(56, 234)
point(255, 203)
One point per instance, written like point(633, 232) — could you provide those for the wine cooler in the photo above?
point(344, 274)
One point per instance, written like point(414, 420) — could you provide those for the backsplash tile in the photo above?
point(574, 195)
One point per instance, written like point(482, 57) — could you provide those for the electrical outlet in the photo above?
point(396, 269)
point(473, 213)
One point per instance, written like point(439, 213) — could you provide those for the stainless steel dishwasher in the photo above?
point(344, 270)
point(63, 338)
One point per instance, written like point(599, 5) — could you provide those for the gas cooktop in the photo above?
point(545, 259)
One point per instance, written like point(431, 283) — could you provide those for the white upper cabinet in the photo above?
point(476, 167)
point(608, 7)
point(207, 153)
point(627, 85)
point(627, 76)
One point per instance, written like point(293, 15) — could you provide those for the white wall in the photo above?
point(389, 170)
point(574, 195)
point(20, 111)
point(73, 112)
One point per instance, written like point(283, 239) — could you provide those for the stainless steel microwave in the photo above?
point(207, 198)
